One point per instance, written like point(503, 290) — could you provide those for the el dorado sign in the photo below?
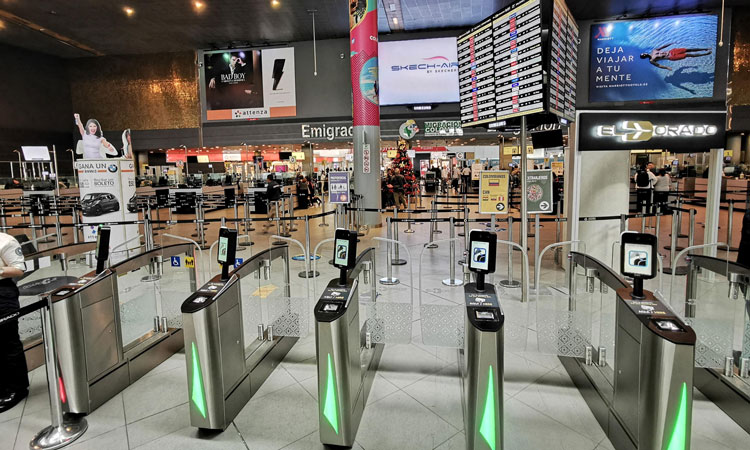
point(676, 131)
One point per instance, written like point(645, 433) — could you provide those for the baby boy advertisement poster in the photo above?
point(663, 58)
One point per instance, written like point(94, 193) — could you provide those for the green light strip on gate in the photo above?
point(678, 441)
point(196, 392)
point(487, 427)
point(330, 408)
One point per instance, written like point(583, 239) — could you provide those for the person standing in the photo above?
point(661, 190)
point(398, 183)
point(465, 179)
point(644, 183)
point(273, 194)
point(14, 378)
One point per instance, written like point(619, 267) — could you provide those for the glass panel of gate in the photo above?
point(175, 284)
point(286, 305)
point(709, 309)
point(606, 336)
point(440, 296)
point(253, 289)
point(389, 318)
point(511, 271)
point(137, 291)
point(563, 315)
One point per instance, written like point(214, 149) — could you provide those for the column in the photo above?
point(363, 34)
point(746, 146)
point(734, 143)
point(713, 200)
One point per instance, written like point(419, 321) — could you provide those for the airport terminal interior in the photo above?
point(375, 224)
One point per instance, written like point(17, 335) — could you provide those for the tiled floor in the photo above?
point(415, 401)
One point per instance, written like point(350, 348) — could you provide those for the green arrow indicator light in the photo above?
point(487, 426)
point(196, 391)
point(678, 441)
point(330, 408)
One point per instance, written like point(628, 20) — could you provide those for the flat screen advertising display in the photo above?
point(420, 71)
point(665, 58)
point(248, 84)
point(35, 153)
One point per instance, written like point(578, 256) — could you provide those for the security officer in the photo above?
point(14, 379)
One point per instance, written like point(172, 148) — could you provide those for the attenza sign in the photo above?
point(635, 130)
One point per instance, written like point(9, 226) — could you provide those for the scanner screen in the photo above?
point(485, 315)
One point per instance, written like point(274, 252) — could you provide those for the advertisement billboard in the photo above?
point(248, 84)
point(664, 58)
point(418, 71)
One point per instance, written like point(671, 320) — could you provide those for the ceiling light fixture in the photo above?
point(395, 20)
point(275, 3)
point(199, 5)
point(128, 11)
point(2, 25)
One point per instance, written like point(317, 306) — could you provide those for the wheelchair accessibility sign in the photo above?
point(238, 262)
point(175, 261)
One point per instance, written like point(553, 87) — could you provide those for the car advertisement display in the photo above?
point(248, 84)
point(664, 58)
point(539, 191)
point(493, 191)
point(105, 186)
point(418, 71)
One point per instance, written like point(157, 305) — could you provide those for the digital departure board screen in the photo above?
point(563, 62)
point(502, 62)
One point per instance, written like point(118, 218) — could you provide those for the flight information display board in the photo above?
point(476, 75)
point(563, 62)
point(502, 61)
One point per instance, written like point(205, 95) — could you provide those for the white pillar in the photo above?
point(713, 200)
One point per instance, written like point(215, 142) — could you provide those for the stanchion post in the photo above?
point(623, 223)
point(75, 225)
point(691, 230)
point(675, 233)
point(3, 219)
point(452, 281)
point(389, 280)
point(657, 225)
point(396, 261)
point(307, 273)
point(432, 243)
point(510, 282)
point(248, 223)
point(323, 209)
point(643, 217)
point(537, 236)
point(58, 229)
point(730, 225)
point(292, 225)
point(408, 229)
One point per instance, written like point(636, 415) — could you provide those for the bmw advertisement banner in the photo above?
point(662, 58)
point(105, 187)
point(539, 191)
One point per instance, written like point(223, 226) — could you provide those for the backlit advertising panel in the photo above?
point(664, 58)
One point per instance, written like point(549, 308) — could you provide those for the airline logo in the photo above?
point(643, 131)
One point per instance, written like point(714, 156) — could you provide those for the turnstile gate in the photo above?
point(224, 367)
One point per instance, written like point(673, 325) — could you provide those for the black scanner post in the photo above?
point(102, 248)
point(227, 250)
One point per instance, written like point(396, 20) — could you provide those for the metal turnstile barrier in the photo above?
point(639, 373)
point(347, 357)
point(236, 332)
point(111, 328)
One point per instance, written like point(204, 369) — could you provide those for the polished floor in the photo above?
point(415, 402)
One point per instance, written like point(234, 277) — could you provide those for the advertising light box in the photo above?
point(665, 58)
point(418, 71)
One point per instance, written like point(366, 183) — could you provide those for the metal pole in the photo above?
point(64, 429)
point(679, 217)
point(75, 225)
point(292, 226)
point(524, 200)
point(730, 225)
point(307, 273)
point(408, 225)
point(435, 215)
point(657, 218)
point(3, 219)
point(396, 261)
point(432, 234)
point(691, 231)
point(389, 280)
point(510, 282)
point(452, 281)
point(537, 236)
point(643, 218)
point(323, 208)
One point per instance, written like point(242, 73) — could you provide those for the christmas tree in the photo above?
point(403, 163)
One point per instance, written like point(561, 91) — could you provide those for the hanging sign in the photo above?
point(338, 187)
point(493, 191)
point(365, 159)
point(539, 191)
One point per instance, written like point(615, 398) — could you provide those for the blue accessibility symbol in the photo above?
point(238, 262)
point(175, 261)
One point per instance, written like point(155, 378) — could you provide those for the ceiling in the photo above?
point(79, 28)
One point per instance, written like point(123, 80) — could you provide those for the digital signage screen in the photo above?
point(665, 58)
point(248, 84)
point(420, 71)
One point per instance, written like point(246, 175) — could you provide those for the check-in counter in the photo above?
point(734, 184)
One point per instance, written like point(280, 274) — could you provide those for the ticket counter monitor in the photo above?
point(347, 361)
point(654, 359)
point(482, 361)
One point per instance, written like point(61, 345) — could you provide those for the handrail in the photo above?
point(354, 272)
point(605, 273)
point(538, 262)
point(81, 247)
point(138, 261)
point(250, 265)
point(718, 265)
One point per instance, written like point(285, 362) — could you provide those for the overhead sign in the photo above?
point(516, 150)
point(338, 187)
point(676, 131)
point(539, 191)
point(493, 191)
point(392, 153)
point(443, 128)
point(327, 132)
point(298, 156)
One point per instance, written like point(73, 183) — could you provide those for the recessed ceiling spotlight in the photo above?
point(128, 11)
point(395, 20)
point(275, 3)
point(198, 5)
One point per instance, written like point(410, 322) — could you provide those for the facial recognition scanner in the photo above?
point(227, 250)
point(638, 254)
point(654, 359)
point(347, 362)
point(482, 360)
point(102, 248)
